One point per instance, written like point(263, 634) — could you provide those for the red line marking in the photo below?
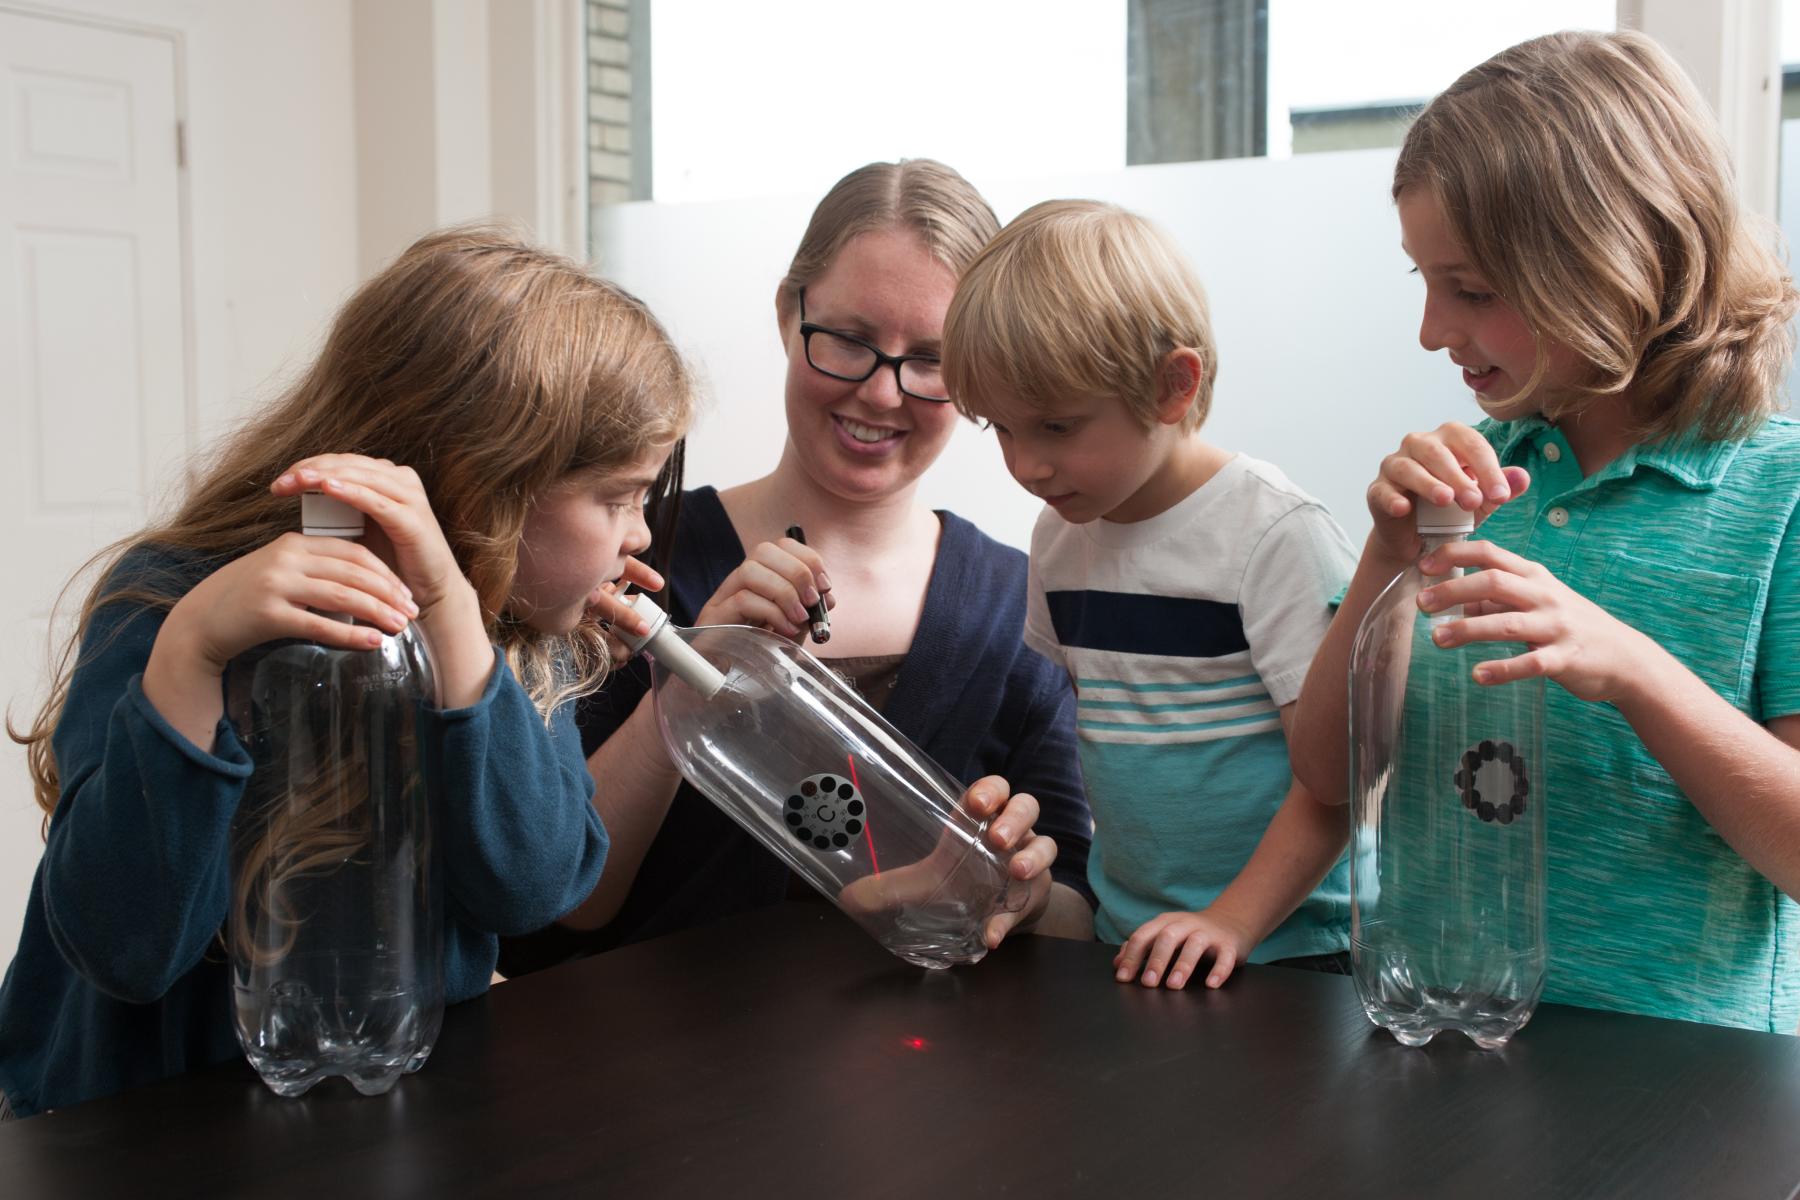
point(868, 831)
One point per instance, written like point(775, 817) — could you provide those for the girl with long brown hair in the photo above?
point(501, 417)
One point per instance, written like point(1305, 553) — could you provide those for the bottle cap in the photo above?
point(327, 516)
point(1442, 518)
point(646, 608)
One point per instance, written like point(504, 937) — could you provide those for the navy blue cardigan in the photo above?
point(969, 693)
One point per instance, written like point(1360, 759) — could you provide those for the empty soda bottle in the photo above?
point(792, 753)
point(336, 922)
point(1447, 821)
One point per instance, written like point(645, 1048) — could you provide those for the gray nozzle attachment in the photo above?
point(327, 516)
point(1439, 519)
point(662, 644)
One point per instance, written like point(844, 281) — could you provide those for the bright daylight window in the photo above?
point(694, 100)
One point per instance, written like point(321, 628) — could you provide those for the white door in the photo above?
point(94, 418)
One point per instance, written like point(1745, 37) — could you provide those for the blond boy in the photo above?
point(1184, 588)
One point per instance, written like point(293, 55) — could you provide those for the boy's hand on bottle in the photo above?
point(771, 589)
point(1569, 638)
point(284, 590)
point(1452, 464)
point(394, 498)
point(1167, 948)
point(1026, 853)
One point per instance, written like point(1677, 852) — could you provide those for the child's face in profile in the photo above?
point(1483, 334)
point(576, 538)
point(1088, 458)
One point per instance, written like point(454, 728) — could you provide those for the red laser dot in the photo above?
point(917, 1043)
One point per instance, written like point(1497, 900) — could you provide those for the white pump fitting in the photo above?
point(327, 516)
point(1441, 519)
point(681, 659)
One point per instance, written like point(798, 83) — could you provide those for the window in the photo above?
point(782, 97)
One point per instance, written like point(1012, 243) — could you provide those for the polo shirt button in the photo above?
point(1559, 516)
point(1552, 452)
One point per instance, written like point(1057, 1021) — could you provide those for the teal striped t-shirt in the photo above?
point(1185, 634)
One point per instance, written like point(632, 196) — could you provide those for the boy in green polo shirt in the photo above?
point(1572, 214)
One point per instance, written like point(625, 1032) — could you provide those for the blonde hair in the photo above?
point(493, 368)
point(1077, 298)
point(919, 195)
point(1585, 180)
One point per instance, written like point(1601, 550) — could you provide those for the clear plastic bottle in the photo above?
point(795, 756)
point(1447, 822)
point(336, 922)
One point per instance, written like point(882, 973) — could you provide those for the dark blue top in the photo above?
point(969, 693)
point(120, 978)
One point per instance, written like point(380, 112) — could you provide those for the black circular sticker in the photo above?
point(825, 811)
point(1515, 775)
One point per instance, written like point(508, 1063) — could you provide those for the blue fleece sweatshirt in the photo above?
point(119, 977)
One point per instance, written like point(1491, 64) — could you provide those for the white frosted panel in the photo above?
point(73, 126)
point(1314, 310)
point(81, 359)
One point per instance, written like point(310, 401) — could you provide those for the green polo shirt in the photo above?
point(1697, 545)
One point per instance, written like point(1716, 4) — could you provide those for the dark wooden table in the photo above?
point(785, 1054)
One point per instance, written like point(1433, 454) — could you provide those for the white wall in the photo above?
point(1315, 313)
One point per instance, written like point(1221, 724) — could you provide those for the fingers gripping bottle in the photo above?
point(336, 921)
point(1447, 821)
point(790, 752)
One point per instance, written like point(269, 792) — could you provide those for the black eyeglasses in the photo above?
point(846, 356)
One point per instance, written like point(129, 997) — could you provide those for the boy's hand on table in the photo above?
point(1166, 949)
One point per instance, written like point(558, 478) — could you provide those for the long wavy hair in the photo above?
point(494, 368)
point(1587, 182)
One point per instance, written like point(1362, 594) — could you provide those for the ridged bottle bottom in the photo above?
point(1416, 1004)
point(292, 1041)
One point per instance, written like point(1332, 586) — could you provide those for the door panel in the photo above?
point(94, 411)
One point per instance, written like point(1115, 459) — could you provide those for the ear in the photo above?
point(1178, 384)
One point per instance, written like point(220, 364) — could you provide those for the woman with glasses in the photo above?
point(926, 614)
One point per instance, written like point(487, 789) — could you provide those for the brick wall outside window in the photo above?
point(609, 101)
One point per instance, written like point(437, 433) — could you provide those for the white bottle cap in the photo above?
point(681, 659)
point(1439, 519)
point(327, 516)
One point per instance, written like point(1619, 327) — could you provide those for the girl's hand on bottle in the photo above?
point(772, 589)
point(284, 590)
point(1591, 653)
point(1452, 464)
point(1183, 939)
point(1026, 853)
point(394, 498)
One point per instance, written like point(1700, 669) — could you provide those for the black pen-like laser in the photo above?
point(817, 617)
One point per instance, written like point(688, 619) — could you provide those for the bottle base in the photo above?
point(371, 1077)
point(1394, 998)
point(293, 1038)
point(1415, 1035)
point(929, 939)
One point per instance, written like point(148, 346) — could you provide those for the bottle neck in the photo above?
point(1437, 541)
point(667, 648)
point(345, 618)
point(1432, 541)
